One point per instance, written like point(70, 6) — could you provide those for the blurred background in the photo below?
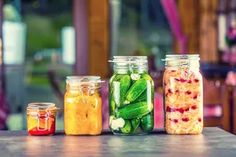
point(43, 41)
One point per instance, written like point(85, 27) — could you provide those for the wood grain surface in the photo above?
point(213, 142)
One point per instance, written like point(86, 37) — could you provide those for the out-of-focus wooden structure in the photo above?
point(216, 99)
point(189, 21)
point(91, 21)
point(98, 37)
point(198, 19)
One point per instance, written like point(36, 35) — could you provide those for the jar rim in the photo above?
point(83, 79)
point(89, 80)
point(41, 106)
point(171, 57)
point(129, 59)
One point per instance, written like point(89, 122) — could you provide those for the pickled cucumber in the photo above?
point(135, 124)
point(147, 123)
point(125, 82)
point(136, 110)
point(136, 90)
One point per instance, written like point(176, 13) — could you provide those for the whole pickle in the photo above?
point(136, 110)
point(135, 123)
point(147, 122)
point(136, 90)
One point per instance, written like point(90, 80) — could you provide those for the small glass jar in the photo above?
point(131, 96)
point(41, 118)
point(83, 106)
point(183, 95)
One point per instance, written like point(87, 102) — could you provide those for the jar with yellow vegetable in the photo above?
point(83, 106)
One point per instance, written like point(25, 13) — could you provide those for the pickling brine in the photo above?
point(183, 95)
point(131, 96)
point(83, 106)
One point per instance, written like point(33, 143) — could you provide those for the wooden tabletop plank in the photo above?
point(213, 142)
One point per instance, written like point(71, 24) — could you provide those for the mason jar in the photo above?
point(83, 106)
point(131, 96)
point(183, 94)
point(41, 118)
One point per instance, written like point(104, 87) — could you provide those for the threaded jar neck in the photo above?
point(130, 64)
point(182, 61)
point(82, 82)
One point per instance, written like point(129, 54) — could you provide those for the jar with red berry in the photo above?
point(183, 94)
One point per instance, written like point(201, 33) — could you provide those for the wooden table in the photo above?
point(213, 142)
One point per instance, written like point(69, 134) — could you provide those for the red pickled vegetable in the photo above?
point(195, 97)
point(176, 79)
point(185, 119)
point(175, 120)
point(182, 80)
point(168, 109)
point(169, 91)
point(181, 110)
point(196, 80)
point(42, 131)
point(194, 107)
point(187, 109)
point(188, 92)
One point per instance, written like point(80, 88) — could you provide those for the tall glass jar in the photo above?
point(83, 106)
point(183, 95)
point(131, 96)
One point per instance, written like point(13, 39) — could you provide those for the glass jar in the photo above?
point(83, 106)
point(183, 95)
point(41, 118)
point(131, 96)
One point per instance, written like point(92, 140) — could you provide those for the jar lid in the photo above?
point(84, 80)
point(129, 59)
point(41, 106)
point(182, 57)
point(182, 60)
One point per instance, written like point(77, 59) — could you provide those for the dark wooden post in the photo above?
point(98, 37)
point(208, 31)
point(190, 23)
point(91, 22)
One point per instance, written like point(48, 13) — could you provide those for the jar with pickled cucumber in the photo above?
point(83, 106)
point(183, 95)
point(131, 96)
